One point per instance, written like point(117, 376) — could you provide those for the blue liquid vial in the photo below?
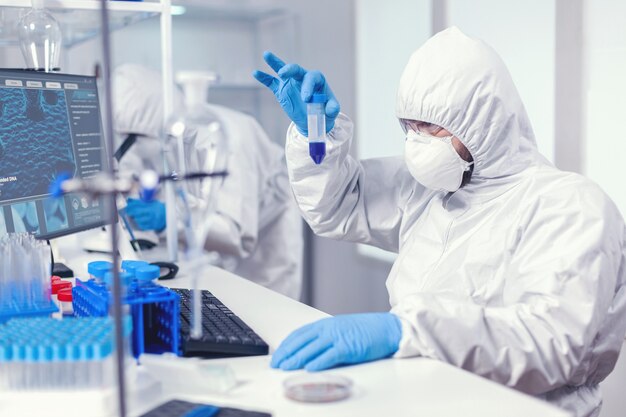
point(316, 125)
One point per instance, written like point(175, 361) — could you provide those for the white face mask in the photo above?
point(434, 162)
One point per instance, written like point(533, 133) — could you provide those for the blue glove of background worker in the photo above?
point(147, 215)
point(339, 340)
point(295, 88)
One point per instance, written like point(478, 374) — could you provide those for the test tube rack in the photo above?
point(154, 310)
point(45, 353)
point(13, 309)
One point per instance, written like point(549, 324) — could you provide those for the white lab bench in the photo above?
point(391, 387)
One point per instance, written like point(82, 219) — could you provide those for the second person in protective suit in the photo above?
point(256, 229)
point(506, 267)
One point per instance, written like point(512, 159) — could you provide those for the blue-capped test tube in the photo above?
point(316, 125)
point(97, 269)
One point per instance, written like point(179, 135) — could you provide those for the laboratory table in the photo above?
point(392, 387)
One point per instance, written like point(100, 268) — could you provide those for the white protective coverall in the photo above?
point(257, 229)
point(519, 275)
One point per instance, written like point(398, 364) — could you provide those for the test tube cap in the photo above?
point(61, 285)
point(131, 266)
point(65, 294)
point(319, 98)
point(99, 268)
point(147, 273)
point(125, 277)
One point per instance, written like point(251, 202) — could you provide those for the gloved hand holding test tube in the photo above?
point(306, 98)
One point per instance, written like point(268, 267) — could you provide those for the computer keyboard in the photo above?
point(223, 333)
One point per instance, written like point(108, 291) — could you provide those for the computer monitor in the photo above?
point(49, 124)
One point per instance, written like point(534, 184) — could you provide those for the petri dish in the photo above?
point(317, 388)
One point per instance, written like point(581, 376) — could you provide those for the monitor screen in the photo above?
point(49, 124)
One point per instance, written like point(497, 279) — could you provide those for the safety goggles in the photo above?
point(423, 128)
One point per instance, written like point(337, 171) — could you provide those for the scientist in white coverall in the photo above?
point(507, 267)
point(256, 230)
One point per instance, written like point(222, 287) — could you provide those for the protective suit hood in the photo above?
point(476, 101)
point(138, 105)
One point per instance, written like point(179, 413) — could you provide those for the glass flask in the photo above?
point(196, 147)
point(40, 38)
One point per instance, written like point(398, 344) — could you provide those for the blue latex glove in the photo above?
point(339, 340)
point(147, 215)
point(295, 88)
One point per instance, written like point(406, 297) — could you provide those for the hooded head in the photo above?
point(138, 100)
point(138, 109)
point(462, 85)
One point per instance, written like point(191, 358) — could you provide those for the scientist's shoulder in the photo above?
point(552, 187)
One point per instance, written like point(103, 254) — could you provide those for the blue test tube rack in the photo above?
point(51, 354)
point(154, 310)
point(14, 309)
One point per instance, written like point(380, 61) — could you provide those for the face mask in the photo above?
point(434, 162)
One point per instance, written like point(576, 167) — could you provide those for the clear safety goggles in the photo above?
point(422, 128)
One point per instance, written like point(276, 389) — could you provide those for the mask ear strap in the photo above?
point(468, 165)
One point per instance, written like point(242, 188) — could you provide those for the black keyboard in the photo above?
point(223, 333)
point(178, 408)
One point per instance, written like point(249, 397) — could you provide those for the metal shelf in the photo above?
point(124, 6)
point(79, 19)
point(252, 10)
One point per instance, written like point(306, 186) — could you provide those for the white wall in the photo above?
point(605, 146)
point(606, 99)
point(523, 34)
point(385, 38)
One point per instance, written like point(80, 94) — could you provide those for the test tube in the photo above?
point(125, 279)
point(145, 275)
point(131, 266)
point(316, 125)
point(59, 286)
point(65, 301)
point(98, 269)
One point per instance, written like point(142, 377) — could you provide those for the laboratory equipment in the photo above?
point(25, 285)
point(65, 301)
point(147, 274)
point(45, 353)
point(179, 408)
point(189, 376)
point(224, 333)
point(98, 269)
point(131, 266)
point(58, 285)
point(316, 125)
point(154, 309)
point(195, 139)
point(317, 388)
point(40, 38)
point(61, 114)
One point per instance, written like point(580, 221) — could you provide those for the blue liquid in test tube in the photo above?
point(316, 125)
